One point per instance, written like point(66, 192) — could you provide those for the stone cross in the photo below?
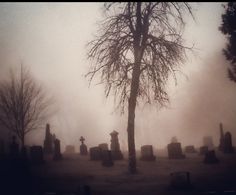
point(82, 139)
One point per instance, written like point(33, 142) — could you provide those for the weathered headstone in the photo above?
point(180, 180)
point(221, 145)
point(115, 146)
point(190, 149)
point(70, 149)
point(210, 157)
point(36, 154)
point(57, 150)
point(103, 146)
point(95, 153)
point(48, 141)
point(207, 141)
point(147, 153)
point(228, 148)
point(203, 150)
point(175, 151)
point(14, 148)
point(107, 158)
point(83, 147)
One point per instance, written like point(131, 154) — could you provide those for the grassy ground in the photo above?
point(70, 175)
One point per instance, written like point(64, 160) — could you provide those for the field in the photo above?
point(70, 175)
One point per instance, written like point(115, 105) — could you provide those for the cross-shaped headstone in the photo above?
point(82, 139)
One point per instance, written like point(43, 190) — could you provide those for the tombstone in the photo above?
point(210, 157)
point(190, 149)
point(228, 148)
point(103, 146)
point(95, 153)
point(106, 158)
point(70, 149)
point(203, 150)
point(115, 146)
point(83, 147)
point(175, 151)
point(221, 145)
point(24, 153)
point(147, 153)
point(48, 141)
point(36, 154)
point(14, 148)
point(180, 180)
point(57, 151)
point(174, 139)
point(207, 141)
point(2, 148)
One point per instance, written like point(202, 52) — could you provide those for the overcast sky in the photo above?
point(50, 39)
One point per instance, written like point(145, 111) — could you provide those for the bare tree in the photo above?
point(23, 104)
point(140, 44)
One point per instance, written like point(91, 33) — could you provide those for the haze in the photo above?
point(50, 39)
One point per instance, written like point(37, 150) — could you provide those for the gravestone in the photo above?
point(70, 149)
point(83, 147)
point(14, 148)
point(207, 141)
point(221, 145)
point(228, 148)
point(2, 148)
point(180, 180)
point(48, 141)
point(57, 151)
point(210, 157)
point(95, 153)
point(103, 146)
point(36, 154)
point(106, 158)
point(190, 149)
point(203, 150)
point(147, 153)
point(115, 146)
point(175, 151)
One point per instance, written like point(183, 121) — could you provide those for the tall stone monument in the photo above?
point(83, 147)
point(221, 145)
point(115, 146)
point(228, 148)
point(48, 141)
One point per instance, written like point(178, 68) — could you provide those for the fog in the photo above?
point(50, 39)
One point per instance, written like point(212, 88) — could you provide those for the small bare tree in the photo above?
point(140, 44)
point(23, 104)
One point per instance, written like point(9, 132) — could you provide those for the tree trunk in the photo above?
point(134, 92)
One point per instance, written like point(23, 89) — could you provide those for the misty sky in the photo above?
point(50, 39)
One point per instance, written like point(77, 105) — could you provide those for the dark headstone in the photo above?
point(228, 148)
point(175, 151)
point(190, 149)
point(221, 145)
point(147, 153)
point(83, 147)
point(180, 180)
point(2, 149)
point(48, 141)
point(57, 150)
point(14, 148)
point(106, 158)
point(36, 154)
point(115, 146)
point(210, 157)
point(203, 150)
point(95, 153)
point(70, 149)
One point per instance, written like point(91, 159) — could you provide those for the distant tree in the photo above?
point(23, 104)
point(140, 44)
point(228, 28)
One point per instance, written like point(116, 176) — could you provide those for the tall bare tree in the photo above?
point(23, 104)
point(140, 44)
